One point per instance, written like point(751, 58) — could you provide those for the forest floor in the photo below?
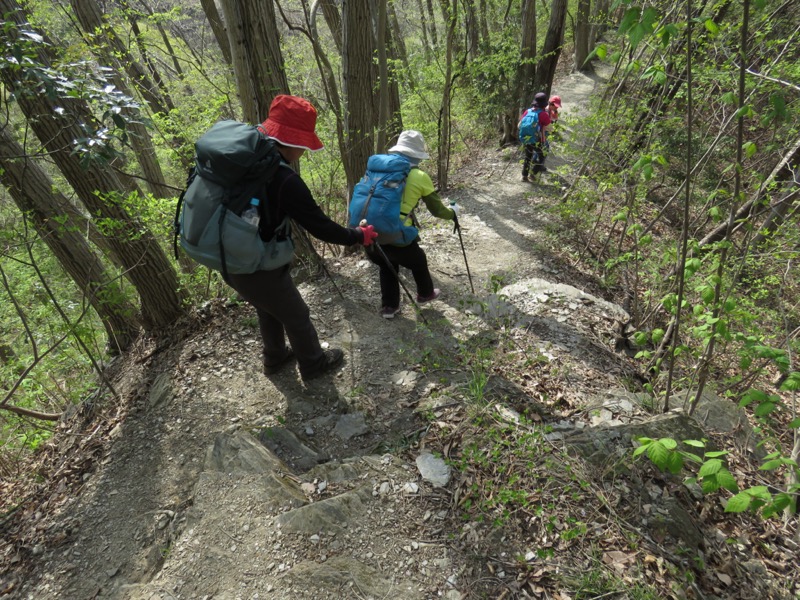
point(165, 494)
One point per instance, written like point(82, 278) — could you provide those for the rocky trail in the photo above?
point(214, 481)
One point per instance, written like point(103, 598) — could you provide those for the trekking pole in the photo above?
point(515, 159)
point(397, 276)
point(457, 227)
point(321, 262)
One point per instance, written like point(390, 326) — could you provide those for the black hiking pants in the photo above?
point(411, 257)
point(282, 313)
point(534, 153)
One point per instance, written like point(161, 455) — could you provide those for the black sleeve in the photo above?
point(295, 199)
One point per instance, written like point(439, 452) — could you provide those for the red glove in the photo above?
point(369, 234)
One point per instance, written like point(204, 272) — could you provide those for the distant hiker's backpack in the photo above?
point(529, 126)
point(378, 196)
point(234, 162)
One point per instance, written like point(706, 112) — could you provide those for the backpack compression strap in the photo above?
point(176, 225)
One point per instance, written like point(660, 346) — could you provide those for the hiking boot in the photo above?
point(388, 312)
point(330, 360)
point(271, 368)
point(433, 296)
point(525, 178)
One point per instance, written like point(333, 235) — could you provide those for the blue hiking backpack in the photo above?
point(378, 196)
point(529, 126)
point(234, 162)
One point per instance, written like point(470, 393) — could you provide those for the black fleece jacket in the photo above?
point(288, 194)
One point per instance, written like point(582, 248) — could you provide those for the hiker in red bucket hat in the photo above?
point(282, 312)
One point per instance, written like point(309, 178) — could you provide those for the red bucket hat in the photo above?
point(291, 121)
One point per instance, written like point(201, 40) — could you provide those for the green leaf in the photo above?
point(639, 450)
point(630, 19)
point(739, 503)
point(727, 481)
point(716, 453)
point(792, 382)
point(650, 17)
point(669, 443)
point(710, 467)
point(674, 463)
point(759, 491)
point(600, 52)
point(712, 27)
point(729, 98)
point(749, 149)
point(695, 443)
point(765, 408)
point(692, 457)
point(781, 501)
point(708, 294)
point(795, 424)
point(692, 266)
point(710, 485)
point(771, 465)
point(752, 395)
point(657, 335)
point(636, 35)
point(657, 453)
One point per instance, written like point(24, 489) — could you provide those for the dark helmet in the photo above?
point(540, 100)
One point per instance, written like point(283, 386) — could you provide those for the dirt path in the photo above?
point(162, 515)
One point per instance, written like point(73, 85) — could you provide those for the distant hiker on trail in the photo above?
point(532, 126)
point(553, 131)
point(553, 107)
point(280, 307)
point(378, 199)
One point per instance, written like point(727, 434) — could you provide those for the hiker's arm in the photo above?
point(437, 207)
point(420, 185)
point(299, 204)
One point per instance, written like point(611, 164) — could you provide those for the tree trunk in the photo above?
point(92, 21)
point(257, 58)
point(431, 19)
point(217, 28)
point(334, 21)
point(104, 42)
point(553, 43)
point(329, 80)
point(443, 162)
point(472, 28)
point(426, 45)
point(383, 76)
point(398, 47)
point(133, 22)
point(600, 21)
point(484, 22)
point(359, 47)
point(57, 123)
point(36, 196)
point(527, 67)
point(582, 32)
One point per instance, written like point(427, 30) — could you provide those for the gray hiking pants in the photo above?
point(282, 313)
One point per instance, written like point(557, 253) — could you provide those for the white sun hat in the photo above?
point(411, 144)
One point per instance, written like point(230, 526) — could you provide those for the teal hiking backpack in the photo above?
point(529, 126)
point(234, 162)
point(378, 196)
